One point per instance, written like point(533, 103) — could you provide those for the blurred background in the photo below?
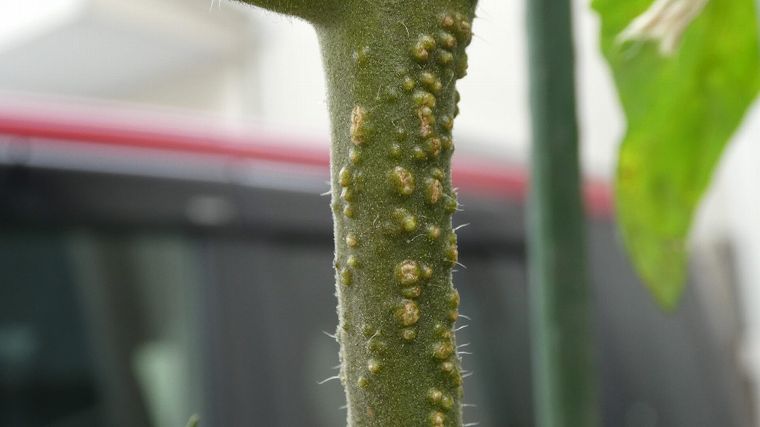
point(165, 251)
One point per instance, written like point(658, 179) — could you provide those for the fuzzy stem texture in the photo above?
point(391, 69)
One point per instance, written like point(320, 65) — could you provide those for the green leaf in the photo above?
point(681, 111)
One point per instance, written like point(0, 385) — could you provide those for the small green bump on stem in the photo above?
point(373, 366)
point(454, 299)
point(464, 32)
point(450, 204)
point(437, 419)
point(431, 82)
point(418, 153)
point(406, 220)
point(349, 210)
point(411, 293)
point(433, 232)
point(461, 67)
point(362, 382)
point(439, 328)
point(408, 313)
point(452, 253)
point(437, 173)
point(443, 350)
point(346, 277)
point(395, 151)
point(344, 177)
point(445, 57)
point(408, 84)
point(354, 156)
point(424, 98)
point(361, 56)
point(401, 134)
point(408, 334)
point(403, 180)
point(446, 143)
point(351, 240)
point(447, 40)
point(348, 194)
point(427, 78)
point(447, 122)
point(446, 402)
point(448, 367)
point(427, 272)
point(377, 345)
point(368, 331)
point(391, 94)
point(435, 396)
point(421, 49)
point(453, 315)
point(352, 261)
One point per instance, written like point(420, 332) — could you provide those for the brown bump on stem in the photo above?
point(434, 190)
point(403, 180)
point(408, 313)
point(434, 146)
point(408, 272)
point(447, 22)
point(358, 125)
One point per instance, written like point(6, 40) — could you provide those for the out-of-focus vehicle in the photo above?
point(150, 270)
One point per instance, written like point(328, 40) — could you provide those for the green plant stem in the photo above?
point(564, 380)
point(391, 70)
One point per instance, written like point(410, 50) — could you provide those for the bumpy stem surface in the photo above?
point(391, 68)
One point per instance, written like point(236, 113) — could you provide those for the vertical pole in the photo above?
point(564, 381)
